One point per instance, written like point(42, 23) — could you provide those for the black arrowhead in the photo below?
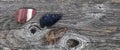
point(49, 19)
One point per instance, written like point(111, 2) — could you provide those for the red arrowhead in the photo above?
point(24, 14)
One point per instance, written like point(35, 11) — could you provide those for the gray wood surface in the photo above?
point(94, 23)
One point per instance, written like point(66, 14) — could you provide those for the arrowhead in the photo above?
point(24, 14)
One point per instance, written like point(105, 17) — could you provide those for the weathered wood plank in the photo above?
point(94, 23)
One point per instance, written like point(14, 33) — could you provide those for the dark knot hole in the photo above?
point(33, 30)
point(72, 43)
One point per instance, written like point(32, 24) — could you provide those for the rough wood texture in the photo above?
point(94, 23)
